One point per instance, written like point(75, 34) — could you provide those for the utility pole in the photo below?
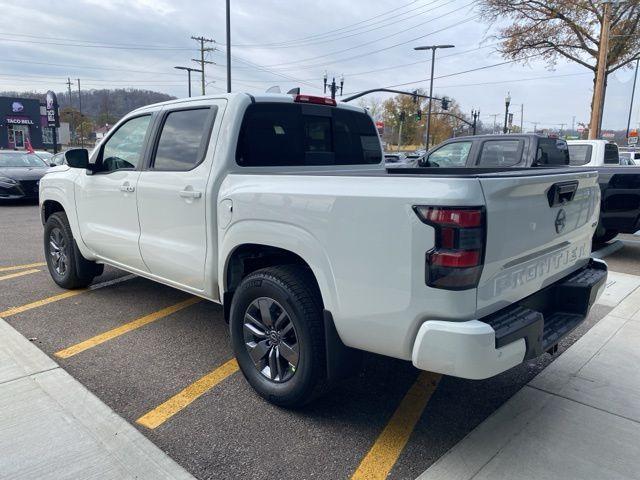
point(522, 118)
point(202, 61)
point(573, 124)
point(402, 115)
point(70, 106)
point(561, 129)
point(633, 92)
point(80, 109)
point(228, 47)
point(495, 122)
point(475, 114)
point(433, 49)
point(601, 74)
point(535, 127)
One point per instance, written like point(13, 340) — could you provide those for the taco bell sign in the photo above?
point(53, 119)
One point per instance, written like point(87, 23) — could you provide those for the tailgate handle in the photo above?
point(561, 193)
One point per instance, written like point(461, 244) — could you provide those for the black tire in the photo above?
point(295, 292)
point(74, 271)
point(603, 237)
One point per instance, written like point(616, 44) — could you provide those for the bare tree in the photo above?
point(568, 29)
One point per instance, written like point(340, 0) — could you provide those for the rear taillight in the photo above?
point(455, 263)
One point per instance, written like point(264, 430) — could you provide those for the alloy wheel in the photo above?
point(271, 339)
point(58, 251)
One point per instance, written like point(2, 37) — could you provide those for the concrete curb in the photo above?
point(51, 426)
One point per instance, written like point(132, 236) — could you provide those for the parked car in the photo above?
point(280, 208)
point(593, 153)
point(45, 156)
point(629, 157)
point(57, 159)
point(620, 187)
point(20, 174)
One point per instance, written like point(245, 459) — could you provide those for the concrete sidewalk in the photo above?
point(52, 427)
point(578, 419)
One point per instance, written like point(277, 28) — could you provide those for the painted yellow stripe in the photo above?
point(384, 453)
point(127, 327)
point(178, 402)
point(61, 296)
point(21, 267)
point(19, 274)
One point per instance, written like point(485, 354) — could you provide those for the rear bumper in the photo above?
point(482, 348)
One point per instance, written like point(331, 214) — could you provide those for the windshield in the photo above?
point(20, 159)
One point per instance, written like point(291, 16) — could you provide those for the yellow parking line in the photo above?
point(127, 327)
point(21, 267)
point(178, 402)
point(62, 296)
point(19, 274)
point(384, 453)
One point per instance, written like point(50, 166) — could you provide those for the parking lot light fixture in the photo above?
point(433, 49)
point(507, 102)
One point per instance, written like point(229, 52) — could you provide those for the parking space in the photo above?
point(162, 360)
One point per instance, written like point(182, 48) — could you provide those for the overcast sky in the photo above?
point(291, 43)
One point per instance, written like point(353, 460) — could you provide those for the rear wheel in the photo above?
point(68, 268)
point(604, 236)
point(277, 334)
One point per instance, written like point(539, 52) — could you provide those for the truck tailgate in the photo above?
point(538, 231)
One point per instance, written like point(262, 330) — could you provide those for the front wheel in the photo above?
point(277, 334)
point(67, 267)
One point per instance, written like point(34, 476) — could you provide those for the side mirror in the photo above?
point(77, 158)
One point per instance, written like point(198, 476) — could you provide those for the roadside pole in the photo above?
point(601, 73)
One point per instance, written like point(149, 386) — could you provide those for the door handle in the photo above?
point(126, 187)
point(190, 194)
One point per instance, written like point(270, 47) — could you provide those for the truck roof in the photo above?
point(500, 135)
point(256, 97)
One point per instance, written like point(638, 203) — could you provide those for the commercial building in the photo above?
point(24, 121)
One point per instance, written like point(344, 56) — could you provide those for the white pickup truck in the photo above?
point(279, 208)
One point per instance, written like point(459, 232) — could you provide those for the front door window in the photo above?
point(18, 136)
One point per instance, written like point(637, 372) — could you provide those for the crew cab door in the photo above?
point(176, 214)
point(106, 197)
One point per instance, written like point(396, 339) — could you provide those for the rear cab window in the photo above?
point(579, 154)
point(552, 151)
point(611, 154)
point(501, 153)
point(285, 134)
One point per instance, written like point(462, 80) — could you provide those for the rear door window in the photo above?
point(450, 155)
point(284, 134)
point(579, 154)
point(611, 154)
point(183, 139)
point(552, 151)
point(501, 153)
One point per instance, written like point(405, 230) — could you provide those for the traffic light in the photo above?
point(402, 116)
point(419, 115)
point(445, 103)
point(415, 97)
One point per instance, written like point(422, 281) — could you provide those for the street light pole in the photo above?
point(189, 70)
point(507, 101)
point(433, 49)
point(228, 47)
point(333, 87)
point(633, 91)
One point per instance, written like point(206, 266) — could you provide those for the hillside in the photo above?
point(102, 106)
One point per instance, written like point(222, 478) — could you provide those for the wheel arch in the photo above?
point(279, 244)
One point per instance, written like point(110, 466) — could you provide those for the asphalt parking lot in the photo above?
point(161, 359)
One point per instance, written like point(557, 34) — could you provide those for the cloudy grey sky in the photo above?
point(136, 43)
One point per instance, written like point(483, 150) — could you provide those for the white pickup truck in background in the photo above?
point(279, 207)
point(593, 153)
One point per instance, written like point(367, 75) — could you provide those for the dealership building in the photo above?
point(24, 121)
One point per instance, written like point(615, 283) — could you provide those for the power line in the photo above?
point(353, 32)
point(383, 38)
point(94, 46)
point(331, 31)
point(75, 40)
